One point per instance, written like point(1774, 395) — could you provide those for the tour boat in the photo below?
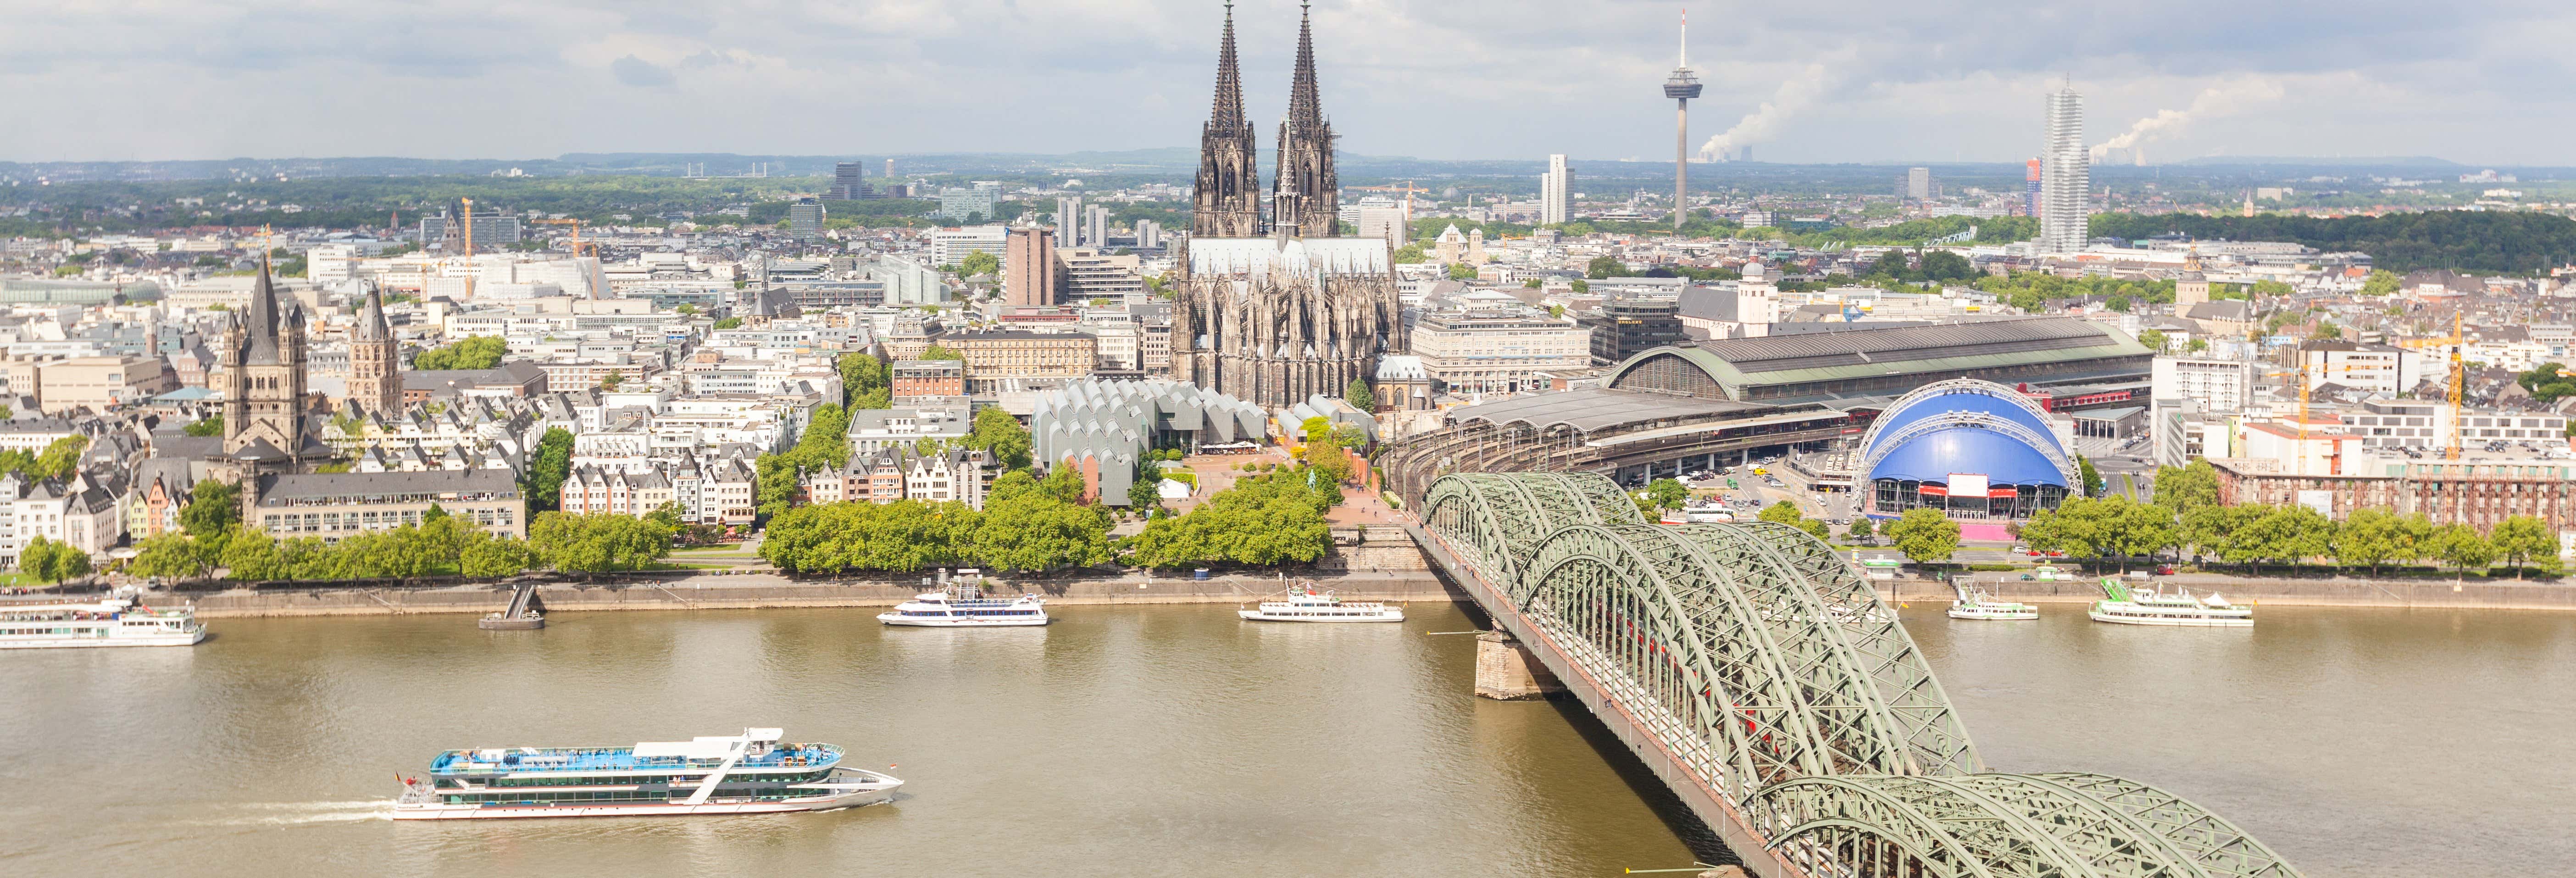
point(2147, 607)
point(1305, 605)
point(1975, 603)
point(749, 773)
point(965, 608)
point(112, 622)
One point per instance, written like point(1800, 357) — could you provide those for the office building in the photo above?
point(1498, 350)
point(849, 182)
point(2066, 181)
point(1553, 190)
point(1625, 327)
point(1091, 274)
point(1095, 226)
point(947, 246)
point(1149, 235)
point(2219, 385)
point(337, 505)
point(491, 230)
point(1006, 360)
point(1030, 274)
point(1918, 184)
point(805, 219)
point(2030, 189)
point(974, 204)
point(1068, 221)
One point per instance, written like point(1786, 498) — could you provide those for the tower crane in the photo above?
point(577, 242)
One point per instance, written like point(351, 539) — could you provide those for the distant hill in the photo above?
point(2401, 161)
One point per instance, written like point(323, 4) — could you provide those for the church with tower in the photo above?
point(1276, 307)
point(268, 427)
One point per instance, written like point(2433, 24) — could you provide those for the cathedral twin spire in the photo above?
point(1306, 197)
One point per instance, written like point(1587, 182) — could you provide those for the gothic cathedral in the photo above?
point(375, 360)
point(1276, 312)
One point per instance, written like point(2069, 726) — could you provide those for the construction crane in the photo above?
point(577, 242)
point(2303, 372)
point(2458, 382)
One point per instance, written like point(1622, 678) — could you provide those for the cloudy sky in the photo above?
point(2489, 81)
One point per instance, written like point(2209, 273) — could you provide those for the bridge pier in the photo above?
point(1505, 670)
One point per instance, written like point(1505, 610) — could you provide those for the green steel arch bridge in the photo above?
point(1756, 673)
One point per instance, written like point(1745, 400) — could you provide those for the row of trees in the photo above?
point(1274, 518)
point(2185, 515)
point(478, 352)
point(211, 538)
point(1026, 525)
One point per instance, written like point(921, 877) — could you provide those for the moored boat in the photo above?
point(966, 607)
point(2121, 606)
point(1306, 605)
point(1975, 603)
point(111, 622)
point(749, 773)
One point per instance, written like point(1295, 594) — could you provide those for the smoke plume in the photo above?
point(1765, 122)
point(2223, 99)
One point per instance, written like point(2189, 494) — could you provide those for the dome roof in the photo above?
point(1910, 442)
point(1932, 457)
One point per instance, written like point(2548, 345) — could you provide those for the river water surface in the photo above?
point(1178, 741)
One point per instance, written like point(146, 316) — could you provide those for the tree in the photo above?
point(979, 262)
point(2092, 477)
point(576, 543)
point(1360, 396)
point(1266, 519)
point(1783, 512)
point(1323, 452)
point(167, 555)
point(1040, 532)
point(2370, 538)
point(1862, 528)
point(496, 558)
point(1145, 492)
point(2381, 282)
point(1410, 254)
point(2521, 538)
point(1668, 493)
point(2154, 339)
point(50, 561)
point(2188, 487)
point(935, 352)
point(729, 323)
point(2464, 548)
point(2290, 534)
point(1603, 268)
point(1581, 287)
point(1925, 535)
point(478, 352)
point(210, 425)
point(547, 472)
point(1461, 271)
point(998, 433)
point(861, 372)
point(212, 506)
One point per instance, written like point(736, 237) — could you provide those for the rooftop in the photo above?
point(1589, 410)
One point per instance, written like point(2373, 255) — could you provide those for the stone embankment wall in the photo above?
point(745, 592)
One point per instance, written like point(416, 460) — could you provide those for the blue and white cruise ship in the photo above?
point(750, 773)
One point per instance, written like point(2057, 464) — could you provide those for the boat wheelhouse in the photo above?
point(749, 773)
point(1306, 605)
point(966, 607)
point(112, 622)
point(2120, 606)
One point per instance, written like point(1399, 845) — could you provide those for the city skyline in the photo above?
point(1913, 83)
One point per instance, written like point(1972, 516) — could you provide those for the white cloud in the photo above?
point(1931, 79)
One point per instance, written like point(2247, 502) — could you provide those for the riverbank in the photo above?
point(764, 591)
point(2283, 591)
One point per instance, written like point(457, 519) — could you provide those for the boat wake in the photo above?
point(301, 813)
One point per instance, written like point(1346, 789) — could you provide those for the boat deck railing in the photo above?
point(581, 759)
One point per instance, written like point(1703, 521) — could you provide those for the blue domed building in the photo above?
point(1973, 449)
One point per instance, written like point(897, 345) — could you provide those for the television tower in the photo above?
point(1681, 88)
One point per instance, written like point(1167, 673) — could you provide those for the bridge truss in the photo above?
point(1768, 673)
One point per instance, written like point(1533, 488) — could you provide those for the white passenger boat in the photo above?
point(966, 607)
point(1305, 605)
point(1975, 603)
point(112, 622)
point(749, 773)
point(2147, 607)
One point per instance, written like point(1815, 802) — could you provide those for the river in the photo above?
point(1175, 740)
